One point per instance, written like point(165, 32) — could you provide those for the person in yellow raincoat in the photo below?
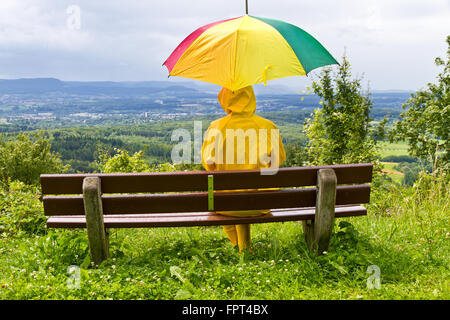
point(256, 148)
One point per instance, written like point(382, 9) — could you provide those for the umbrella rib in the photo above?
point(235, 48)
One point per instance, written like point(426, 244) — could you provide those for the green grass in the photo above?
point(406, 234)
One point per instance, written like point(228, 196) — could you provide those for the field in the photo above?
point(393, 149)
point(388, 168)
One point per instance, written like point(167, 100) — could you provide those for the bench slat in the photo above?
point(198, 202)
point(199, 218)
point(197, 180)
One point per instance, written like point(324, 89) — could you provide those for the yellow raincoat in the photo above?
point(241, 141)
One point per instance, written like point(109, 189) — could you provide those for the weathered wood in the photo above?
point(197, 219)
point(97, 236)
point(316, 207)
point(195, 202)
point(318, 231)
point(198, 180)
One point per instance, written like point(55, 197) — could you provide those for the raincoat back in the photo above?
point(241, 140)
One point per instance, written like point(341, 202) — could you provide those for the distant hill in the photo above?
point(130, 88)
point(48, 85)
point(36, 85)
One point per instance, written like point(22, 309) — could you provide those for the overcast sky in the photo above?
point(392, 42)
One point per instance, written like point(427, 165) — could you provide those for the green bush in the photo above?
point(21, 210)
point(25, 159)
point(123, 162)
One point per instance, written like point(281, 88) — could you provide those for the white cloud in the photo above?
point(393, 42)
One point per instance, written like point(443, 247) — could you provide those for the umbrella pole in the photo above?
point(246, 7)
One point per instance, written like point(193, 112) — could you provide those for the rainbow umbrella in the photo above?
point(243, 51)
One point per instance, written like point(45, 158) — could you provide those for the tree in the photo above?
point(296, 155)
point(339, 132)
point(25, 159)
point(426, 121)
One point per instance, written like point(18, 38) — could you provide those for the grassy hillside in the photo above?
point(406, 235)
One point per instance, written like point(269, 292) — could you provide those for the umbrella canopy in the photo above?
point(243, 51)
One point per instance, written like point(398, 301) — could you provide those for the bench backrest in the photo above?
point(136, 193)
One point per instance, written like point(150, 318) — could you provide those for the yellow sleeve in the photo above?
point(207, 156)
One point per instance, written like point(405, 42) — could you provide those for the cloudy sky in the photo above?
point(392, 43)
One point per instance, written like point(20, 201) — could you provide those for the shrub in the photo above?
point(21, 210)
point(25, 159)
point(123, 162)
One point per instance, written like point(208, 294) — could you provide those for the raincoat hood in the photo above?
point(241, 101)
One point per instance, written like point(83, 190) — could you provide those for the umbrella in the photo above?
point(246, 50)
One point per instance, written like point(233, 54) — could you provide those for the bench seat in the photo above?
point(192, 219)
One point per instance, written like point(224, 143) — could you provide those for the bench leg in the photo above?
point(97, 235)
point(318, 232)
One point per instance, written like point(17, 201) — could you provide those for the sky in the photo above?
point(391, 44)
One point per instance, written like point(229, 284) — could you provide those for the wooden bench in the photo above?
point(182, 199)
